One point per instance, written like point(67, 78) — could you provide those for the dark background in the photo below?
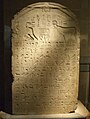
point(11, 7)
point(81, 8)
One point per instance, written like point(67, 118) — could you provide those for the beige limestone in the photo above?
point(45, 60)
point(80, 113)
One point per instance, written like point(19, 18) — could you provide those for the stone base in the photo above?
point(80, 113)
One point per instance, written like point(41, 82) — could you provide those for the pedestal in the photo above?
point(80, 113)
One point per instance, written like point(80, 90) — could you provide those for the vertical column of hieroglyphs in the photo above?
point(45, 60)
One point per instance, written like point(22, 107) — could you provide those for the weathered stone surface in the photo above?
point(80, 113)
point(45, 60)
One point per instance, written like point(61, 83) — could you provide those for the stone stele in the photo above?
point(45, 60)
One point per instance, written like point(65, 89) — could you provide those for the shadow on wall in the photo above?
point(7, 70)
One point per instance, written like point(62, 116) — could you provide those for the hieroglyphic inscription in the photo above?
point(45, 61)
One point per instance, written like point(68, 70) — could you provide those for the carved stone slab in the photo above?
point(45, 60)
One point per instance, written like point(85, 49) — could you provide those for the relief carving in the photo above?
point(45, 45)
